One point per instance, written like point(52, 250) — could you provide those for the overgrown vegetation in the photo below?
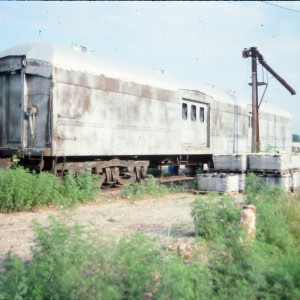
point(68, 263)
point(23, 190)
point(151, 187)
point(138, 190)
point(215, 218)
point(267, 268)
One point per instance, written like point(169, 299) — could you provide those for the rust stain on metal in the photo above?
point(146, 91)
point(86, 101)
point(136, 109)
point(164, 95)
point(111, 84)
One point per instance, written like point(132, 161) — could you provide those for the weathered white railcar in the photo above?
point(67, 109)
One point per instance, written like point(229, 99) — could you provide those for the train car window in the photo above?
point(201, 114)
point(184, 111)
point(250, 121)
point(193, 113)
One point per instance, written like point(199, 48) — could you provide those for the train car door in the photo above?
point(14, 109)
point(11, 101)
point(10, 109)
point(194, 125)
point(37, 103)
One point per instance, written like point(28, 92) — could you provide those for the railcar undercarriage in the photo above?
point(111, 171)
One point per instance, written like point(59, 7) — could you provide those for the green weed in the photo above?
point(138, 190)
point(16, 187)
point(23, 190)
point(151, 187)
point(267, 268)
point(215, 218)
point(69, 264)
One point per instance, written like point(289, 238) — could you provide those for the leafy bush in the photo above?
point(22, 190)
point(184, 281)
point(138, 190)
point(274, 214)
point(291, 211)
point(255, 271)
point(16, 188)
point(83, 188)
point(151, 186)
point(67, 264)
point(88, 187)
point(213, 218)
point(47, 189)
point(134, 190)
point(136, 260)
point(267, 268)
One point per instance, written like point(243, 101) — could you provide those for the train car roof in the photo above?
point(78, 58)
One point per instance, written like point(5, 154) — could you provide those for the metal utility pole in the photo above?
point(255, 118)
point(255, 55)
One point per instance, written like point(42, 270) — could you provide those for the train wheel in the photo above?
point(107, 185)
point(102, 178)
point(126, 177)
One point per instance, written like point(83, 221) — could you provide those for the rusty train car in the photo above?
point(66, 109)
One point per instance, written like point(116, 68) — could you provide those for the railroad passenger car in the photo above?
point(66, 109)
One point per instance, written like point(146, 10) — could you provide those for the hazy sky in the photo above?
point(198, 41)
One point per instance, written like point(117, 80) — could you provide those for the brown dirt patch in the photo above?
point(167, 218)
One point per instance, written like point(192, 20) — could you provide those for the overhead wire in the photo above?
point(280, 6)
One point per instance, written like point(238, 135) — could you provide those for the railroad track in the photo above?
point(175, 179)
point(161, 180)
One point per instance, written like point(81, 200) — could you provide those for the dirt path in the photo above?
point(167, 217)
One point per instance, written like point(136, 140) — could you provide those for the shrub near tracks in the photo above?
point(266, 268)
point(67, 264)
point(149, 187)
point(152, 187)
point(22, 190)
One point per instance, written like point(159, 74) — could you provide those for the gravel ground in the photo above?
point(167, 218)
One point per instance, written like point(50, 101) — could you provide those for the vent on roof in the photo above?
point(79, 47)
point(160, 71)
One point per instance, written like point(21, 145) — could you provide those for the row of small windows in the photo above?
point(193, 113)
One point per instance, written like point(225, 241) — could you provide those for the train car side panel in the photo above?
point(229, 131)
point(102, 116)
point(275, 132)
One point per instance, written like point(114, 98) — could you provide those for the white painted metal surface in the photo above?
point(90, 106)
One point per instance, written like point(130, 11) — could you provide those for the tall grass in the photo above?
point(214, 216)
point(137, 190)
point(23, 190)
point(68, 263)
point(267, 268)
point(151, 187)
